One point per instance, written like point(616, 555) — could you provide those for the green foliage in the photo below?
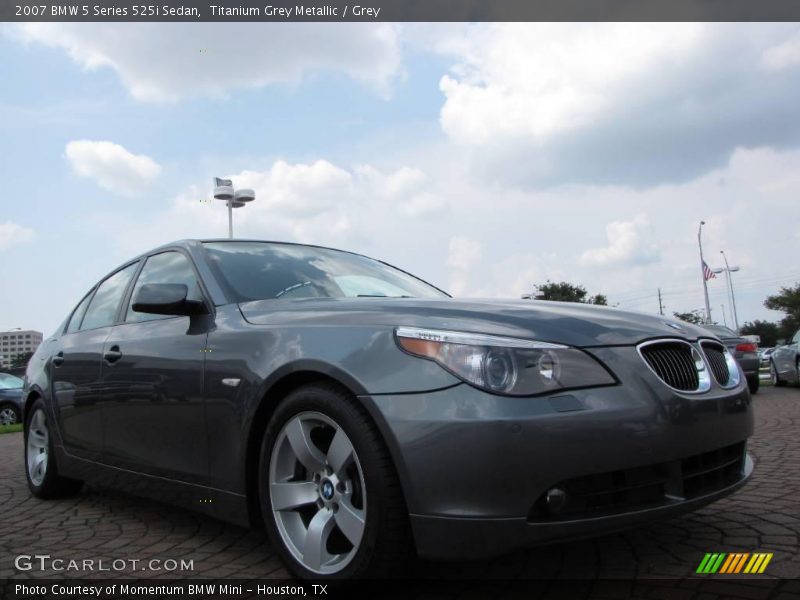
point(788, 301)
point(563, 291)
point(696, 316)
point(769, 332)
point(20, 361)
point(15, 428)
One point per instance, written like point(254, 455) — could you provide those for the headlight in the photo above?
point(504, 365)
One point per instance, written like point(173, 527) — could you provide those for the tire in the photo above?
point(42, 473)
point(753, 383)
point(774, 376)
point(9, 414)
point(347, 489)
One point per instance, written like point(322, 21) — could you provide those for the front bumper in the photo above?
point(475, 467)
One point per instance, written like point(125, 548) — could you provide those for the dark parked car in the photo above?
point(744, 351)
point(10, 399)
point(784, 362)
point(360, 413)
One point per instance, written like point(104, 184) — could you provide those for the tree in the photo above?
point(567, 292)
point(695, 317)
point(788, 301)
point(769, 333)
point(20, 361)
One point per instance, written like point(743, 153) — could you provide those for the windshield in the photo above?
point(9, 382)
point(261, 270)
point(721, 331)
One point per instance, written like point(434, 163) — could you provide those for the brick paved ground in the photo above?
point(106, 525)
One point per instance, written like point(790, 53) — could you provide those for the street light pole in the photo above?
point(703, 271)
point(223, 190)
point(728, 271)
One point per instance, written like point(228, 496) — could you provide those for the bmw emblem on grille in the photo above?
point(673, 325)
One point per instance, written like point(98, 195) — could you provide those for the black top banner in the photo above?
point(399, 10)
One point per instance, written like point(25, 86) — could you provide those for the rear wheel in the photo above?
point(9, 414)
point(753, 384)
point(774, 377)
point(40, 463)
point(329, 494)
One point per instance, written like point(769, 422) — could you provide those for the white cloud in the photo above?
point(298, 189)
point(464, 251)
point(463, 254)
point(13, 233)
point(539, 104)
point(537, 80)
point(111, 166)
point(629, 243)
point(168, 61)
point(783, 55)
point(317, 202)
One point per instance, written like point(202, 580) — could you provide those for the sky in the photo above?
point(484, 158)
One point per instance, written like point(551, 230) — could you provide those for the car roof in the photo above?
point(196, 242)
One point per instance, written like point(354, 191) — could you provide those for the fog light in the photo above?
point(555, 499)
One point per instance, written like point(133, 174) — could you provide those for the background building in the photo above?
point(16, 342)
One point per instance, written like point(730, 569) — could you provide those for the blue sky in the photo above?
point(485, 158)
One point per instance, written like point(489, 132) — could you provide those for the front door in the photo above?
point(153, 405)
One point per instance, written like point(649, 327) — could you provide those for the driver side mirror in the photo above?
point(166, 299)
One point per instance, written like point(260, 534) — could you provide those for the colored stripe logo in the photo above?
point(734, 563)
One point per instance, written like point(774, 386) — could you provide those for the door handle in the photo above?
point(58, 359)
point(113, 354)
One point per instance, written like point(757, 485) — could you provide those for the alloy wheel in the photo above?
point(38, 447)
point(7, 416)
point(773, 374)
point(317, 493)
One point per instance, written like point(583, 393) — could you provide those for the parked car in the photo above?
point(744, 351)
point(360, 413)
point(10, 399)
point(784, 365)
point(764, 356)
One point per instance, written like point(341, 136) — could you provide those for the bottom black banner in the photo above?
point(705, 588)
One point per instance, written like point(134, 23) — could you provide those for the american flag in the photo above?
point(708, 273)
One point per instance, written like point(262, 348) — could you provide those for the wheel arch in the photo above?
point(34, 393)
point(277, 388)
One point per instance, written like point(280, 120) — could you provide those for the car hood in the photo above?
point(11, 393)
point(563, 322)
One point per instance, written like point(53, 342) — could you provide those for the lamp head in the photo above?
point(244, 195)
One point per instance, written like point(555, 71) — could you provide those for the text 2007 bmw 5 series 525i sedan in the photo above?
point(360, 413)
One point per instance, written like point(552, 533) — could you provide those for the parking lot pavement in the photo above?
point(100, 524)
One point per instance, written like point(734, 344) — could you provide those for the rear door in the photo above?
point(77, 366)
point(152, 382)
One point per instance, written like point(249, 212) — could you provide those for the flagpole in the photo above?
point(703, 271)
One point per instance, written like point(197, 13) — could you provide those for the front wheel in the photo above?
point(40, 464)
point(9, 414)
point(330, 497)
point(774, 377)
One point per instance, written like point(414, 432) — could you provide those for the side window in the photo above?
point(77, 315)
point(103, 308)
point(167, 267)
